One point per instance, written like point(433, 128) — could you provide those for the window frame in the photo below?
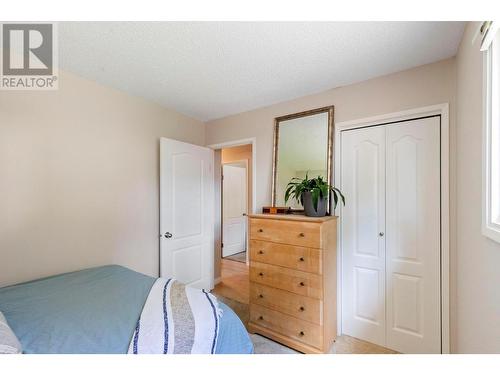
point(491, 141)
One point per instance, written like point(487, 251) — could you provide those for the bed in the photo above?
point(93, 311)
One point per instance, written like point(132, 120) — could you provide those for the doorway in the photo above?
point(234, 197)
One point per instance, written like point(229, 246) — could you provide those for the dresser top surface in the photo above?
point(292, 217)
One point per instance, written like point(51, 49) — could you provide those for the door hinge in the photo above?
point(221, 245)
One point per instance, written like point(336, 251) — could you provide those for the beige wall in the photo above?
point(425, 85)
point(79, 178)
point(478, 266)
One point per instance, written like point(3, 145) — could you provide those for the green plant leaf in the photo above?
point(324, 191)
point(335, 191)
point(315, 198)
point(287, 192)
point(318, 187)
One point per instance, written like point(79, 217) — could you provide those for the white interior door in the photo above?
point(363, 222)
point(413, 245)
point(234, 207)
point(391, 235)
point(186, 213)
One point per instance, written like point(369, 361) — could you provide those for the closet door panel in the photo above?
point(363, 218)
point(413, 236)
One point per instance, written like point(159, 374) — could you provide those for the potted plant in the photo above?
point(312, 194)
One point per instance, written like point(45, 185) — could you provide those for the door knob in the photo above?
point(244, 214)
point(168, 235)
point(381, 234)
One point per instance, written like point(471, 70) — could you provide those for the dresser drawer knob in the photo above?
point(301, 259)
point(302, 283)
point(261, 274)
point(261, 252)
point(261, 317)
point(301, 333)
point(302, 308)
point(302, 235)
point(261, 230)
point(261, 296)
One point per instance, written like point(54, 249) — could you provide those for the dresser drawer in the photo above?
point(302, 307)
point(286, 232)
point(296, 257)
point(296, 329)
point(303, 283)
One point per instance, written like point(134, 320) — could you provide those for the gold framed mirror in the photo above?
point(303, 143)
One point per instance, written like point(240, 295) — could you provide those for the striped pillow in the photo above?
point(9, 344)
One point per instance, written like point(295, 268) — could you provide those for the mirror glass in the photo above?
point(302, 147)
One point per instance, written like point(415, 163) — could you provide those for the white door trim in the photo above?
point(242, 142)
point(433, 110)
point(253, 207)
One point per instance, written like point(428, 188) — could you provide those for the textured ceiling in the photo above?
point(209, 70)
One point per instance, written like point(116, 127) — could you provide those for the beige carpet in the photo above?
point(263, 345)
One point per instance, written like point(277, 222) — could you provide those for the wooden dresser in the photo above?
point(293, 280)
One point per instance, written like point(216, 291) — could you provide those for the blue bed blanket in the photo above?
point(93, 311)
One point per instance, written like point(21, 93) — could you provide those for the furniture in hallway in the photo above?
point(293, 280)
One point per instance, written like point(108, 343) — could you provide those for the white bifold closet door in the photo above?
point(363, 218)
point(390, 175)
